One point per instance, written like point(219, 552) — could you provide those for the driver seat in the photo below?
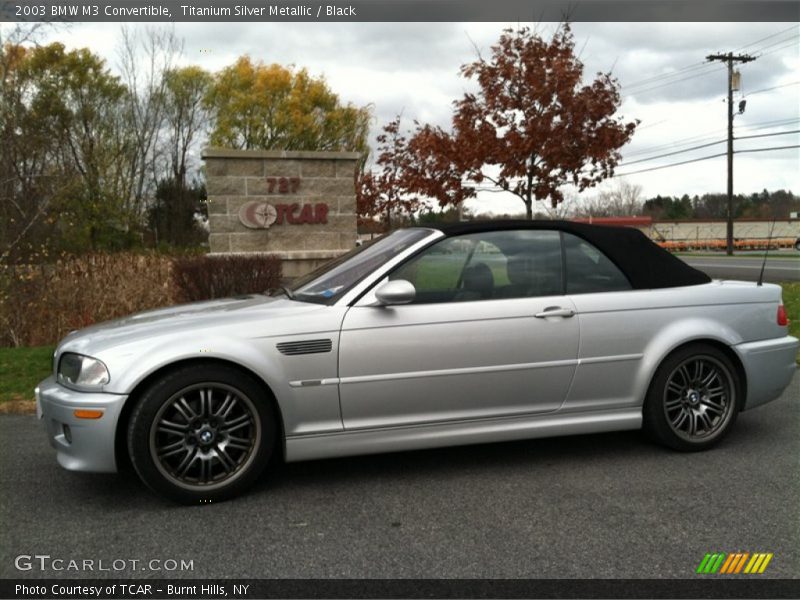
point(478, 283)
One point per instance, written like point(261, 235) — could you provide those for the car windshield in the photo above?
point(328, 283)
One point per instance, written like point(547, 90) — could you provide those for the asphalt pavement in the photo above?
point(747, 267)
point(596, 506)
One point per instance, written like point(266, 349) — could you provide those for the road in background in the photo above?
point(597, 506)
point(747, 267)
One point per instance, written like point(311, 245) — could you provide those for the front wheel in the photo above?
point(203, 433)
point(693, 399)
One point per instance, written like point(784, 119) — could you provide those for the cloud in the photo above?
point(413, 68)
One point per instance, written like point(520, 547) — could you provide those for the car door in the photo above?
point(616, 325)
point(490, 334)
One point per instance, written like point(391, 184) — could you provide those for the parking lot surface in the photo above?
point(597, 506)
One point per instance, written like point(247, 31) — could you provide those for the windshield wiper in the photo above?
point(286, 291)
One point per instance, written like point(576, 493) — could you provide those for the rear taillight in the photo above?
point(783, 320)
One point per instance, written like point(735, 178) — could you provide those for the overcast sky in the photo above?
point(414, 68)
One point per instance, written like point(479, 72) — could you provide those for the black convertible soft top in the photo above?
point(646, 264)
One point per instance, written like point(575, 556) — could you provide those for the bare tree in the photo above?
point(562, 210)
point(620, 199)
point(186, 115)
point(172, 214)
point(144, 59)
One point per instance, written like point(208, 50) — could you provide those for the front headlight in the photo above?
point(77, 370)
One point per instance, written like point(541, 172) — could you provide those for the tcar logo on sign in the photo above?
point(260, 215)
point(735, 563)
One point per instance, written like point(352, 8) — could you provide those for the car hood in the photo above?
point(273, 316)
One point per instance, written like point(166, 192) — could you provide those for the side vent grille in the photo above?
point(305, 347)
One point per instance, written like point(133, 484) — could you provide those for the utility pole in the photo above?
point(730, 59)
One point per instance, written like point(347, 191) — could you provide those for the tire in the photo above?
point(204, 433)
point(797, 245)
point(694, 399)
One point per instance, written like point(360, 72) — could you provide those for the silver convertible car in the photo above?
point(426, 337)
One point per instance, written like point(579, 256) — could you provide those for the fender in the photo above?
point(679, 333)
point(303, 410)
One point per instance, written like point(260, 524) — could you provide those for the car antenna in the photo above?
point(766, 254)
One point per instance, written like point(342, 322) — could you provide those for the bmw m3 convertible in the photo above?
point(426, 337)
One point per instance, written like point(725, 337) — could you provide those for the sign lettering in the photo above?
point(261, 215)
point(283, 185)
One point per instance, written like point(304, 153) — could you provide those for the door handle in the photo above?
point(555, 311)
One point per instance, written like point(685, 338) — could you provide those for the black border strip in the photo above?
point(401, 11)
point(701, 587)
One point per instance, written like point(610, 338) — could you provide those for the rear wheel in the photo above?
point(203, 433)
point(694, 398)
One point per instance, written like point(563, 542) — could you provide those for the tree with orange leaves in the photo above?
point(531, 127)
point(389, 191)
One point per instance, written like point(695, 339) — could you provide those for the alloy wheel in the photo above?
point(699, 398)
point(204, 436)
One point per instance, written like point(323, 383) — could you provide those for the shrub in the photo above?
point(205, 277)
point(41, 303)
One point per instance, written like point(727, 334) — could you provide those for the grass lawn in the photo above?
point(791, 300)
point(438, 272)
point(21, 369)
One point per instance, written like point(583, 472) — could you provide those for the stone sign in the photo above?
point(298, 205)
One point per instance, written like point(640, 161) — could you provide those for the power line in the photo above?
point(693, 139)
point(792, 45)
point(729, 58)
point(668, 78)
point(752, 126)
point(661, 76)
point(769, 124)
point(744, 137)
point(702, 158)
point(649, 125)
point(767, 149)
point(631, 88)
point(767, 38)
point(478, 188)
point(769, 89)
point(685, 162)
point(711, 133)
point(668, 119)
point(668, 83)
point(641, 160)
point(702, 65)
point(702, 137)
point(758, 125)
point(788, 39)
point(699, 138)
point(750, 137)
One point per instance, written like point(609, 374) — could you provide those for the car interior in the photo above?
point(508, 265)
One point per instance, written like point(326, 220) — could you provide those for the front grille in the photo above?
point(305, 347)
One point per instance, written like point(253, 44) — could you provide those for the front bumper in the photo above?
point(81, 444)
point(769, 366)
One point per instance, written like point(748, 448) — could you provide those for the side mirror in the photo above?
point(398, 291)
